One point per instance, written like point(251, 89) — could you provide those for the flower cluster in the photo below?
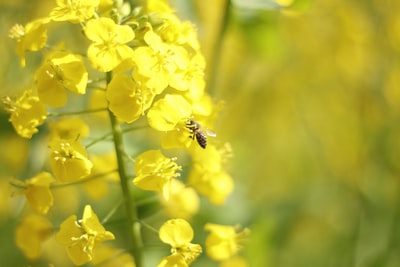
point(141, 66)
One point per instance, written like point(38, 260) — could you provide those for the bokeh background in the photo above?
point(311, 92)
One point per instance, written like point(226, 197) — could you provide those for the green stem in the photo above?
point(84, 180)
point(130, 206)
point(99, 139)
point(79, 112)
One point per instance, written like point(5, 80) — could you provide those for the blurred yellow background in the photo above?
point(312, 110)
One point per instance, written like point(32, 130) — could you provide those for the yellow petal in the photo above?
point(69, 231)
point(175, 260)
point(167, 112)
point(176, 232)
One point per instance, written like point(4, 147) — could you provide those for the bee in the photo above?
point(197, 133)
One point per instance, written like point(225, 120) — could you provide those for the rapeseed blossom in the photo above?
point(166, 113)
point(68, 160)
point(208, 175)
point(154, 172)
point(31, 233)
point(178, 234)
point(31, 37)
point(159, 62)
point(224, 242)
point(81, 237)
point(183, 201)
point(60, 71)
point(27, 113)
point(37, 192)
point(128, 99)
point(109, 39)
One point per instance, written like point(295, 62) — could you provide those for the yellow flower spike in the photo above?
point(27, 113)
point(38, 193)
point(31, 233)
point(154, 172)
point(183, 201)
point(32, 37)
point(68, 129)
point(168, 112)
point(109, 47)
point(80, 238)
point(74, 11)
point(60, 71)
point(128, 99)
point(224, 242)
point(68, 160)
point(178, 234)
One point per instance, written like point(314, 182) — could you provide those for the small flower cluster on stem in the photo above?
point(140, 65)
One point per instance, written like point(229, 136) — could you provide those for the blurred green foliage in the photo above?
point(312, 109)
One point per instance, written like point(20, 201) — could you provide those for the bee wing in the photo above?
point(210, 133)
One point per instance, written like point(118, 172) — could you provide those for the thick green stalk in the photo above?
point(130, 206)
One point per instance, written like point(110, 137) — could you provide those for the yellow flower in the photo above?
point(31, 233)
point(68, 129)
point(109, 47)
point(178, 234)
point(32, 37)
point(128, 99)
point(27, 113)
point(154, 172)
point(215, 185)
point(183, 201)
point(174, 31)
point(38, 193)
point(208, 176)
point(177, 138)
point(202, 110)
point(68, 160)
point(81, 237)
point(60, 71)
point(168, 112)
point(224, 242)
point(191, 78)
point(159, 61)
point(74, 11)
